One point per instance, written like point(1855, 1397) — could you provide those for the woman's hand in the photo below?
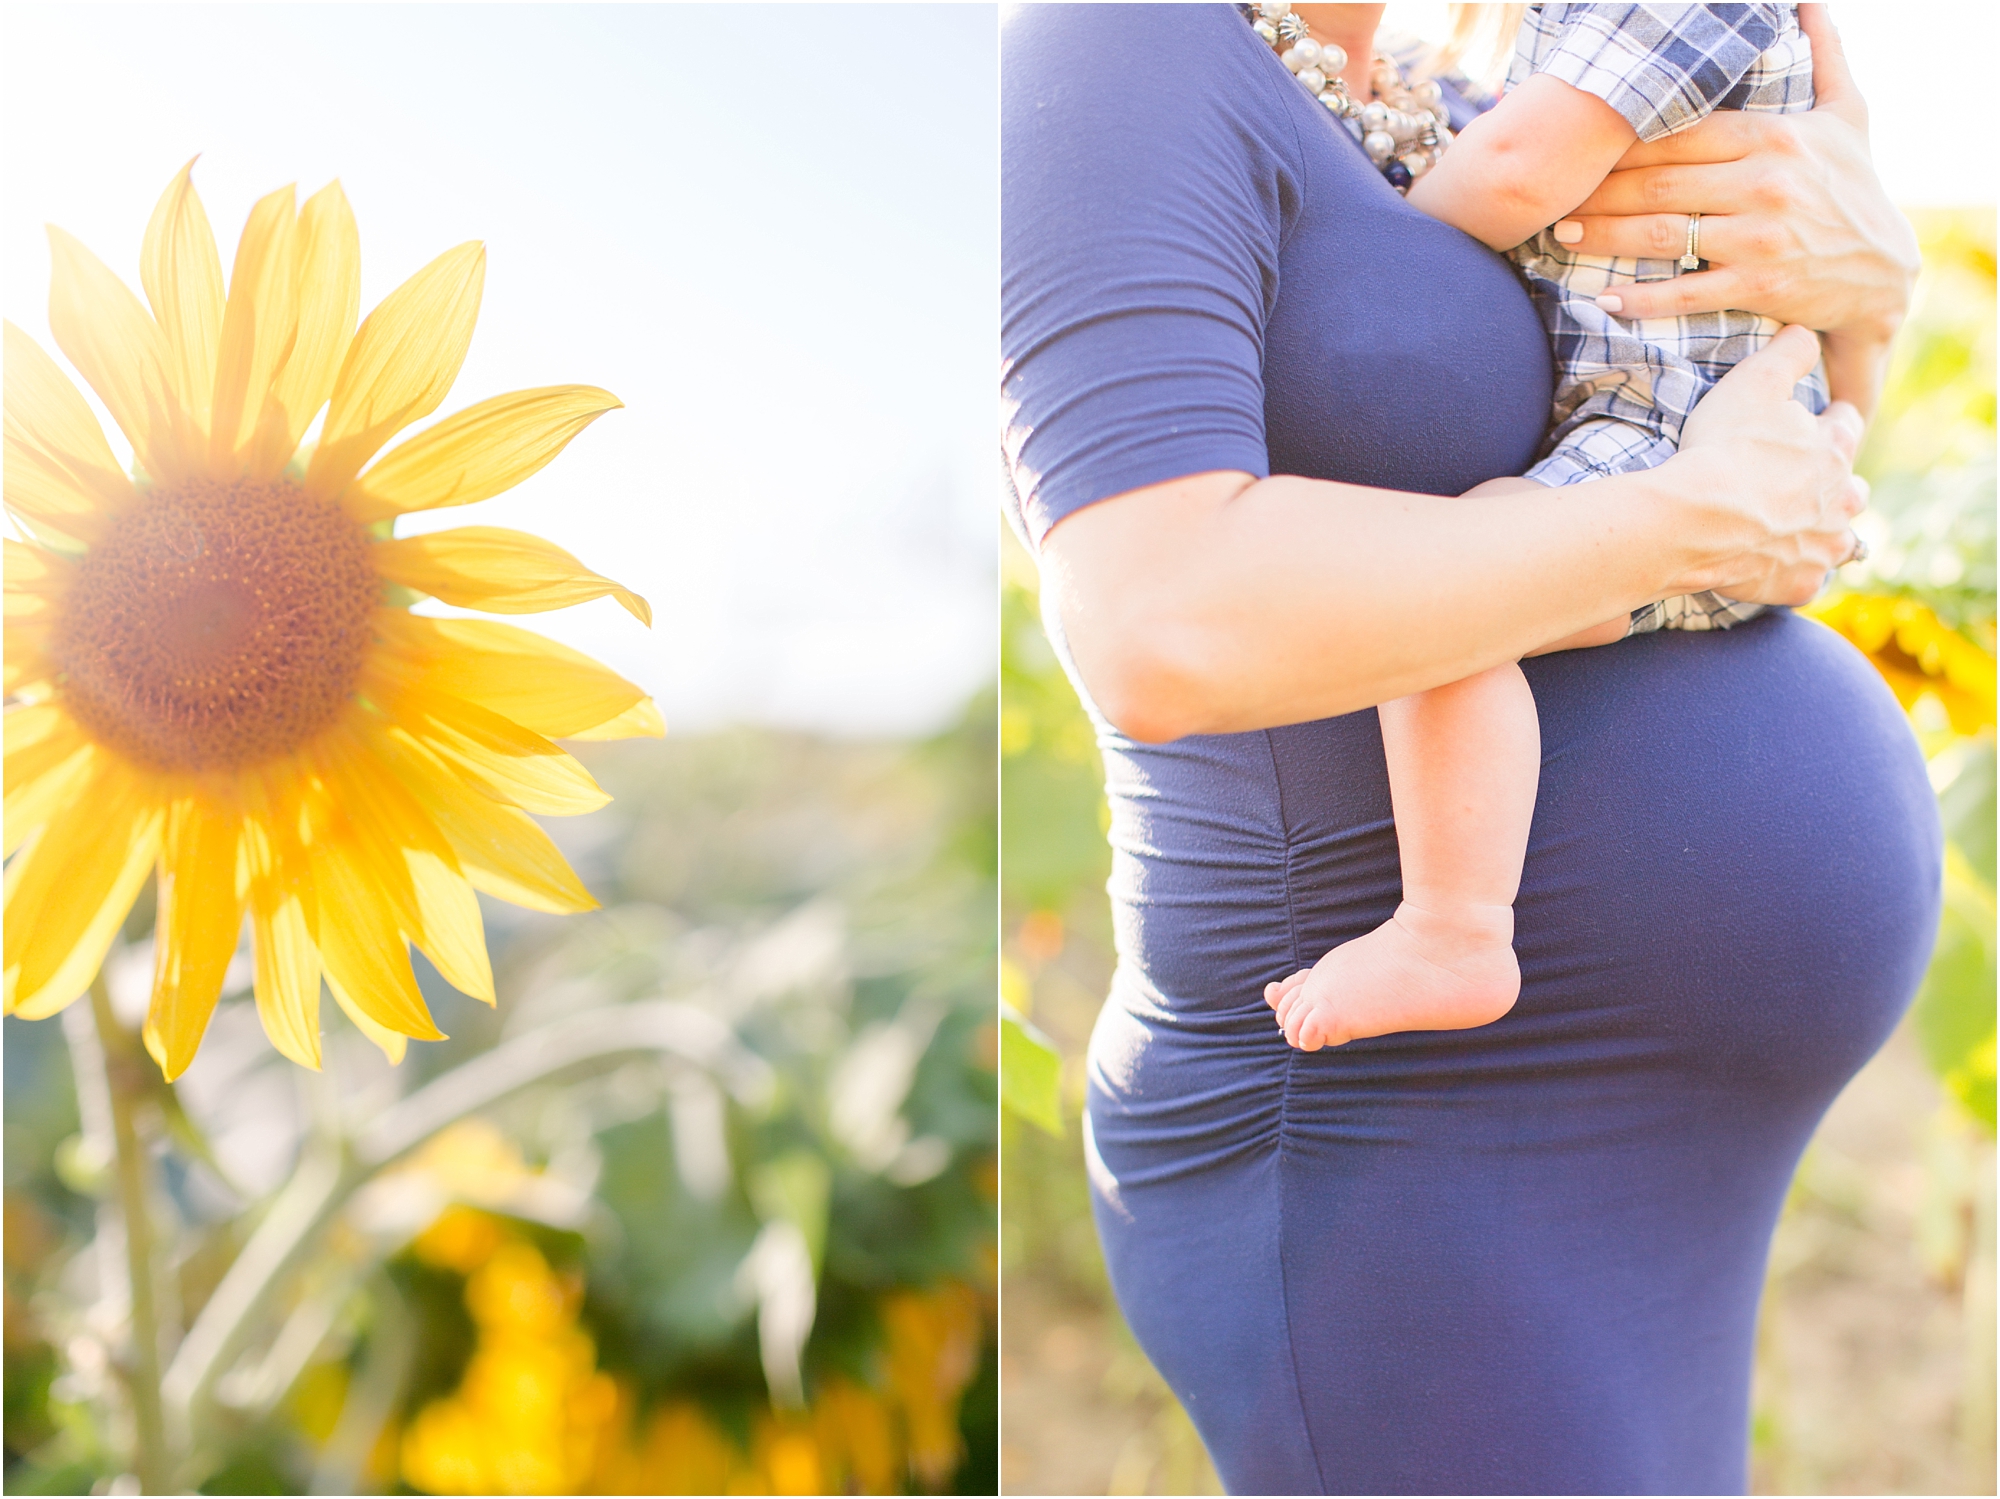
point(1766, 484)
point(1795, 223)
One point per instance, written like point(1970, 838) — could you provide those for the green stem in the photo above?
point(123, 1083)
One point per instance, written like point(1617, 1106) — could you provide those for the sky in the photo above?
point(771, 232)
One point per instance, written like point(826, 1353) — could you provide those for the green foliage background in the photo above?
point(815, 899)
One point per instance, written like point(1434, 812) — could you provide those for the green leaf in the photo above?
point(1030, 1072)
point(796, 1186)
point(1965, 800)
point(1955, 1008)
point(1051, 779)
point(1971, 1083)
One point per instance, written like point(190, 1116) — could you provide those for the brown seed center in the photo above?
point(216, 625)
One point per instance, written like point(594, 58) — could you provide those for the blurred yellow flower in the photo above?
point(213, 671)
point(532, 1413)
point(856, 1429)
point(785, 1458)
point(683, 1452)
point(461, 1238)
point(1918, 654)
point(933, 1353)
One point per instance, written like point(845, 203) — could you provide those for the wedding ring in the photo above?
point(1860, 552)
point(1691, 260)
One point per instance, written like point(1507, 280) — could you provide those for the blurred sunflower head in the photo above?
point(1917, 653)
point(212, 670)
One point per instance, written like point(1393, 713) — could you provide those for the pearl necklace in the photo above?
point(1404, 129)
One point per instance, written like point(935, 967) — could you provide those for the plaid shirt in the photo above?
point(1664, 67)
point(1624, 388)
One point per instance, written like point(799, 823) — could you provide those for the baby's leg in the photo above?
point(1463, 760)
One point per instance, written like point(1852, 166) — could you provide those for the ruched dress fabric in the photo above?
point(1523, 1259)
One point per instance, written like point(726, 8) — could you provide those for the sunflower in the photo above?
point(212, 669)
point(1917, 653)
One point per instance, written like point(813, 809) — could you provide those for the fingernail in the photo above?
point(1568, 232)
point(1611, 302)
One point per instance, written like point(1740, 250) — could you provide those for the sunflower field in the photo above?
point(1875, 1358)
point(705, 1205)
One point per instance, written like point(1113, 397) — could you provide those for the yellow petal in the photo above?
point(194, 936)
point(28, 609)
point(476, 454)
point(393, 1043)
point(258, 328)
point(327, 278)
point(505, 855)
point(507, 762)
point(361, 943)
point(499, 848)
point(50, 507)
point(366, 811)
point(400, 365)
point(453, 935)
point(505, 572)
point(45, 411)
point(118, 348)
point(510, 671)
point(60, 470)
point(283, 912)
point(23, 644)
point(35, 576)
point(640, 721)
point(182, 275)
point(38, 736)
point(68, 890)
point(48, 757)
point(385, 827)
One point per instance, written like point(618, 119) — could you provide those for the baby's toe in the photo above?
point(1290, 1007)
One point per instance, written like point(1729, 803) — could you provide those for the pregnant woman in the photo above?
point(1244, 381)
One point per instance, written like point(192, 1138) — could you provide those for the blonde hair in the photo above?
point(1481, 41)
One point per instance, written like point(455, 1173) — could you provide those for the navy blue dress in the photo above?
point(1520, 1259)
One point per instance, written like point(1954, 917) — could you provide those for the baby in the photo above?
point(1464, 759)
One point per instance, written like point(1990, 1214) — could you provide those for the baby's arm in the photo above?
point(1525, 163)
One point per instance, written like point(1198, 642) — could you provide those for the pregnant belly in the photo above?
point(1523, 1258)
point(1737, 852)
point(1730, 891)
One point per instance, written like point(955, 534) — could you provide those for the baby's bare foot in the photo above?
point(1422, 970)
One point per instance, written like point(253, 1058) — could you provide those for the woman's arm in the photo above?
point(1217, 603)
point(1795, 223)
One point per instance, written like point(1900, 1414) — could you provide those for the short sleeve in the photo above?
point(1148, 171)
point(1663, 67)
